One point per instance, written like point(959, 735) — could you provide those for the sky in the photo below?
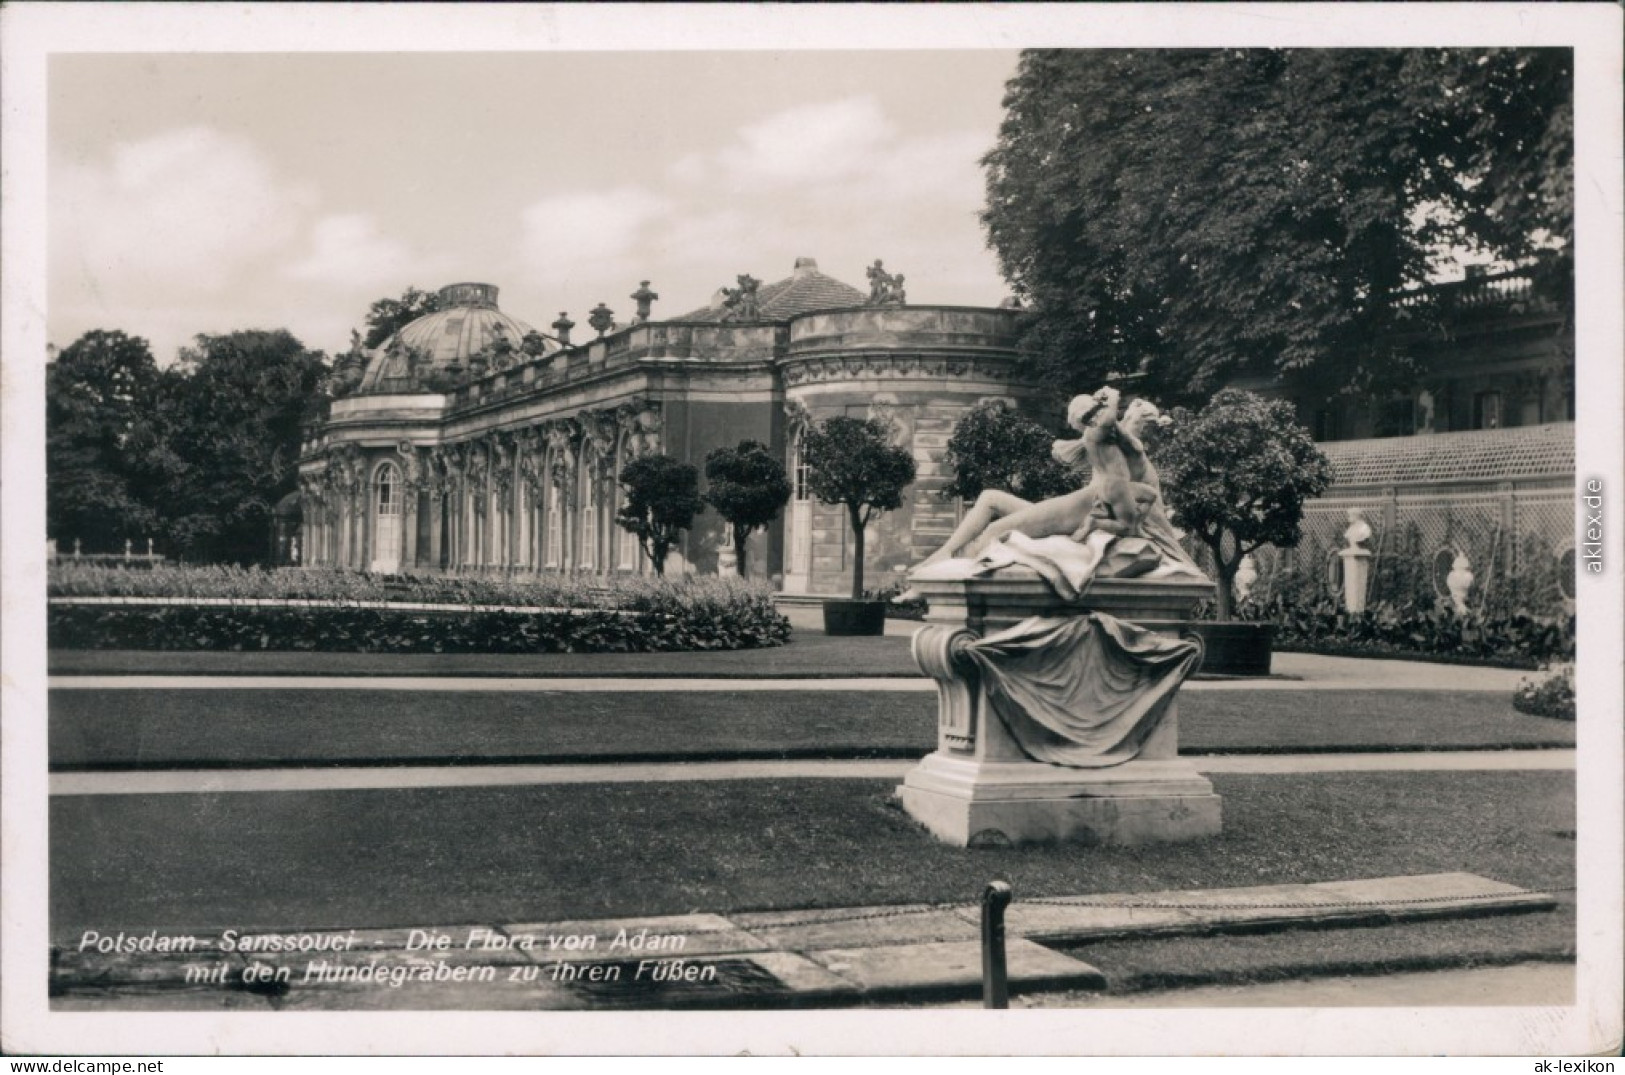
point(205, 193)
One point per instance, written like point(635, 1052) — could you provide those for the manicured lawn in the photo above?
point(526, 854)
point(808, 653)
point(163, 728)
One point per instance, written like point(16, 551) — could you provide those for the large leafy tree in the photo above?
point(1187, 215)
point(235, 412)
point(852, 463)
point(103, 456)
point(1236, 475)
point(386, 316)
point(662, 498)
point(748, 487)
point(995, 446)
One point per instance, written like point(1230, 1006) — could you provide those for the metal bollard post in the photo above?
point(995, 979)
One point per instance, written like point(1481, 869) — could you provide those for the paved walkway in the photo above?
point(818, 957)
point(213, 781)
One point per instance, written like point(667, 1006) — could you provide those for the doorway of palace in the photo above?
point(386, 523)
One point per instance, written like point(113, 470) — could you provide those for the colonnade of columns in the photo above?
point(539, 497)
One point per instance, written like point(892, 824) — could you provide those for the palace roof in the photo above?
point(802, 292)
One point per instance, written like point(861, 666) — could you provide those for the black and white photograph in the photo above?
point(559, 529)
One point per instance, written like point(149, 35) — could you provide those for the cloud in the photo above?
point(596, 224)
point(810, 144)
point(181, 210)
point(837, 180)
point(348, 251)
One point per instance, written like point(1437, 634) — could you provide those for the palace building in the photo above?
point(472, 440)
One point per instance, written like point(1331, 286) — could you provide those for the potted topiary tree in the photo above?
point(662, 498)
point(995, 446)
point(1236, 475)
point(852, 463)
point(748, 487)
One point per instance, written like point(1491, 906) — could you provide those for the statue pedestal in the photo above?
point(1356, 576)
point(980, 790)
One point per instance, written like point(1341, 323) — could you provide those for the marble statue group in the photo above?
point(1056, 637)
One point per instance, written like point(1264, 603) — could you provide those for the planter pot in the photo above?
point(854, 617)
point(1235, 649)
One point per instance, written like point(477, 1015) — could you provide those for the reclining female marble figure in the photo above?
point(1114, 501)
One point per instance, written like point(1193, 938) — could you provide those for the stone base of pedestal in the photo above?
point(971, 803)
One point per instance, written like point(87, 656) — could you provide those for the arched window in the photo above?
point(553, 539)
point(386, 531)
point(801, 473)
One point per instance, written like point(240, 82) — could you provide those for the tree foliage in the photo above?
point(235, 414)
point(748, 487)
point(101, 457)
point(387, 316)
point(1190, 214)
point(995, 446)
point(662, 498)
point(195, 456)
point(852, 462)
point(1236, 475)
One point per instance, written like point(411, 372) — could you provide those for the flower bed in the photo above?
point(1510, 640)
point(302, 609)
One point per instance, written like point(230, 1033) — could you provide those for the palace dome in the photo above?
point(467, 323)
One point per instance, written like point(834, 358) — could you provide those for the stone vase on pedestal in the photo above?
point(981, 789)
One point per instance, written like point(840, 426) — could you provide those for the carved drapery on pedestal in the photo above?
point(1057, 719)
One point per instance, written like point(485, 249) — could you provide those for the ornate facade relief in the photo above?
point(640, 424)
point(501, 449)
point(797, 418)
point(563, 439)
point(533, 462)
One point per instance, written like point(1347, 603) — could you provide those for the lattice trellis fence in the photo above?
point(1519, 546)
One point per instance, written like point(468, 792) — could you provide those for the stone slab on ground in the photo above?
point(955, 966)
point(857, 927)
point(1077, 918)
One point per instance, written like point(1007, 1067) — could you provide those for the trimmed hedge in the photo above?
point(386, 630)
point(562, 614)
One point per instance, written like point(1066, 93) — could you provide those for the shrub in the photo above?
point(1322, 625)
point(1552, 696)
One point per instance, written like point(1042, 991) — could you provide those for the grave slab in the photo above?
point(857, 927)
point(953, 965)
